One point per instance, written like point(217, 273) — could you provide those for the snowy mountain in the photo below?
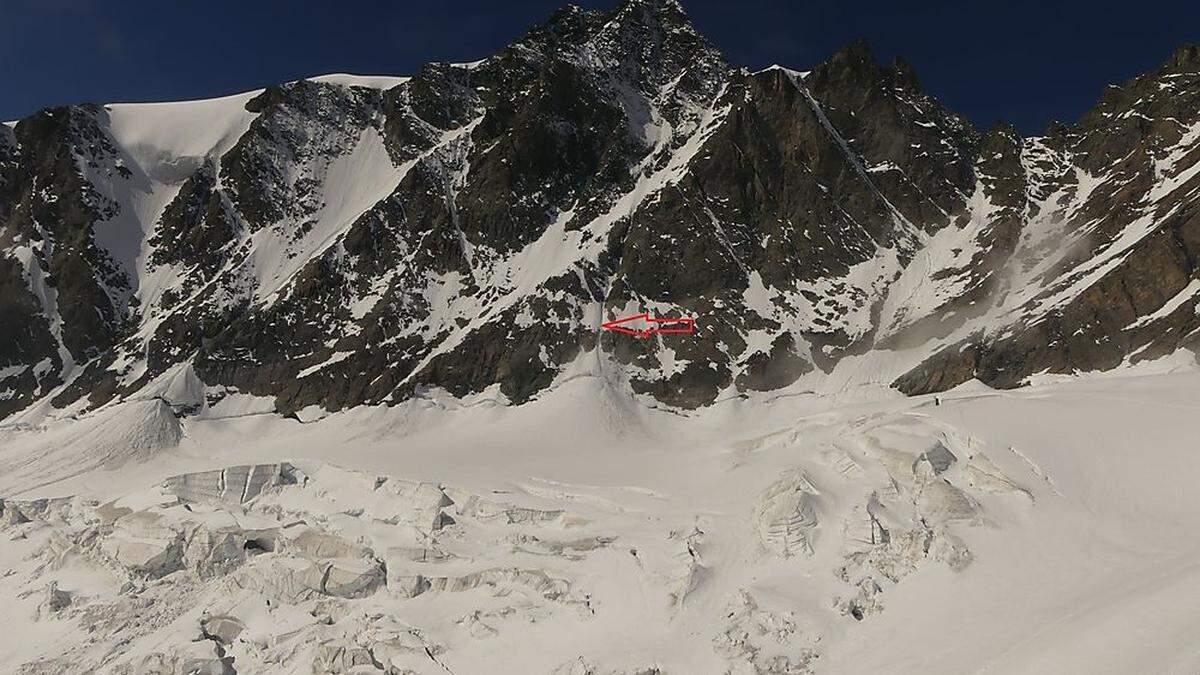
point(313, 378)
point(345, 241)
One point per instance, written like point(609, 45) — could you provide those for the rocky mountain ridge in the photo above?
point(340, 242)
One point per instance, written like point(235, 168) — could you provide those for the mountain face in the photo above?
point(349, 241)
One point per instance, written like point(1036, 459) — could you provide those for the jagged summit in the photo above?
point(1185, 59)
point(904, 74)
point(854, 62)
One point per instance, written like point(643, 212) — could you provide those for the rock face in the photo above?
point(332, 244)
point(1096, 239)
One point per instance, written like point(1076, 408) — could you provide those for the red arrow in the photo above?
point(681, 325)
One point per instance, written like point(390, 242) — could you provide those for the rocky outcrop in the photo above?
point(1123, 285)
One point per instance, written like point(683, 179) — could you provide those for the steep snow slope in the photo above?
point(165, 143)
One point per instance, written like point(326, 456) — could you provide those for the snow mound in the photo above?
point(131, 432)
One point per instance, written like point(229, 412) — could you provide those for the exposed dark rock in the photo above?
point(775, 369)
point(1130, 142)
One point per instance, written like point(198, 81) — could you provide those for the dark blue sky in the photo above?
point(1022, 61)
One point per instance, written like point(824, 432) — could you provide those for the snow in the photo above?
point(151, 131)
point(795, 74)
point(12, 371)
point(47, 296)
point(471, 65)
point(370, 81)
point(333, 358)
point(1075, 520)
point(160, 158)
point(1095, 580)
point(105, 441)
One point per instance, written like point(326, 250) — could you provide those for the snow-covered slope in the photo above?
point(579, 534)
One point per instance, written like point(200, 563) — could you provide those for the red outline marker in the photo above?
point(664, 326)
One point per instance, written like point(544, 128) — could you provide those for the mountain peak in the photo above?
point(656, 42)
point(904, 75)
point(853, 65)
point(657, 6)
point(1185, 59)
point(857, 52)
point(1003, 131)
point(664, 16)
point(639, 29)
point(569, 25)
